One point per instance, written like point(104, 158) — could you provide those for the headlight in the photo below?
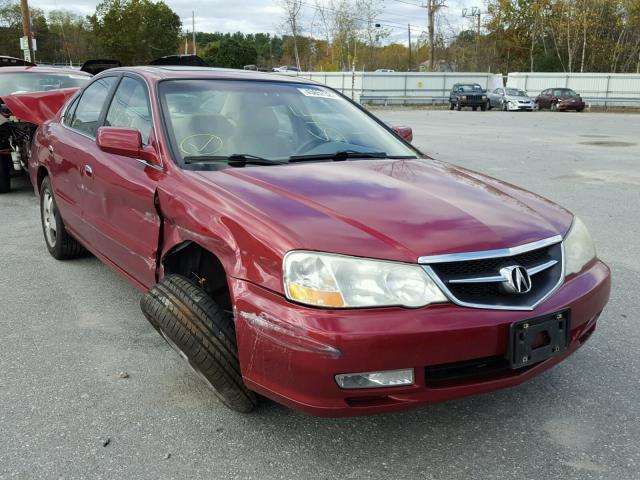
point(464, 97)
point(484, 97)
point(338, 281)
point(578, 247)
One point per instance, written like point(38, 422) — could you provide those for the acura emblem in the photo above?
point(516, 279)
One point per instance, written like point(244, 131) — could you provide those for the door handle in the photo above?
point(88, 171)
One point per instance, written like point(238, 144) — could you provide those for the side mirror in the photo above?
point(126, 142)
point(405, 132)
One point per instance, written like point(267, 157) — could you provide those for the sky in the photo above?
point(250, 16)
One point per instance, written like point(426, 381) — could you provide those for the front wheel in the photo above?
point(458, 106)
point(505, 107)
point(60, 244)
point(554, 107)
point(5, 173)
point(202, 334)
point(489, 107)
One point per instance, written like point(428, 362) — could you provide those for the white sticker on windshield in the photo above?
point(318, 93)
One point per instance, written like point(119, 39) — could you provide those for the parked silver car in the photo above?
point(510, 99)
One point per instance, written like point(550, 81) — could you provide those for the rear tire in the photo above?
point(5, 173)
point(202, 334)
point(60, 244)
point(451, 105)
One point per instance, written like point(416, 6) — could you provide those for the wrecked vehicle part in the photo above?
point(29, 96)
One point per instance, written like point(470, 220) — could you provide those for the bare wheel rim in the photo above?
point(49, 218)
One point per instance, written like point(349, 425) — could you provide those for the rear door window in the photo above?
point(87, 114)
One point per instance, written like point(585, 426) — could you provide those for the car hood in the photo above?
point(389, 209)
point(569, 97)
point(37, 107)
point(518, 97)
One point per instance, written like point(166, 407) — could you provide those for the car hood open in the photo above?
point(391, 209)
point(37, 107)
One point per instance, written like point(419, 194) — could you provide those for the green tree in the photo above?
point(231, 52)
point(135, 31)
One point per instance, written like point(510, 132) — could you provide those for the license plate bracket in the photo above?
point(537, 339)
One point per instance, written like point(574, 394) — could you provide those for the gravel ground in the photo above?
point(69, 329)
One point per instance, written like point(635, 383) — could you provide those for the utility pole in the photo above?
point(432, 7)
point(26, 30)
point(186, 42)
point(193, 24)
point(475, 13)
point(410, 62)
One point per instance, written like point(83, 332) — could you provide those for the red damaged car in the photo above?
point(290, 245)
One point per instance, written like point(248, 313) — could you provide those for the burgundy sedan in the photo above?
point(289, 244)
point(560, 99)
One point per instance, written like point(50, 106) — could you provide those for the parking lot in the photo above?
point(69, 328)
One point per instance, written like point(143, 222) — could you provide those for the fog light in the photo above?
point(389, 378)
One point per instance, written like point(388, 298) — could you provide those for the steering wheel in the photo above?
point(201, 144)
point(323, 134)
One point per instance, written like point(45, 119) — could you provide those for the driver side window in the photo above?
point(130, 108)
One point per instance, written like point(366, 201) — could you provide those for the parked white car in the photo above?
point(510, 99)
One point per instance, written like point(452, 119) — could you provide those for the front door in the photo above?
point(120, 205)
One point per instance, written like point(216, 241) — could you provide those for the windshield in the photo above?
point(470, 88)
point(215, 119)
point(37, 82)
point(516, 92)
point(564, 93)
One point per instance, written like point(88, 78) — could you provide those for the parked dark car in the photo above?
point(467, 95)
point(560, 99)
point(339, 271)
point(16, 131)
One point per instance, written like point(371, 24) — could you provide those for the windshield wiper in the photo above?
point(237, 159)
point(337, 156)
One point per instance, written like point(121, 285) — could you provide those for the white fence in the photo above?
point(401, 87)
point(608, 89)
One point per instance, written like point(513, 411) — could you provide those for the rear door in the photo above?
point(70, 148)
point(120, 203)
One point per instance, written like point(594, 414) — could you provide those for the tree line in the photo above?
point(340, 35)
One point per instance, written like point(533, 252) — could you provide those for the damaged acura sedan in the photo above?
point(290, 245)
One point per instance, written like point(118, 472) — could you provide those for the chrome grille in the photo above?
point(476, 280)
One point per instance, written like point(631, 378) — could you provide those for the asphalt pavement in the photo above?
point(68, 330)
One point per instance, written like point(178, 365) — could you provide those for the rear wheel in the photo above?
point(451, 105)
point(202, 334)
point(554, 107)
point(60, 244)
point(5, 173)
point(580, 110)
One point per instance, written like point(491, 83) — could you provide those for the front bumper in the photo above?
point(571, 105)
point(520, 106)
point(295, 362)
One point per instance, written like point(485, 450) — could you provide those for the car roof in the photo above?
point(164, 72)
point(43, 70)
